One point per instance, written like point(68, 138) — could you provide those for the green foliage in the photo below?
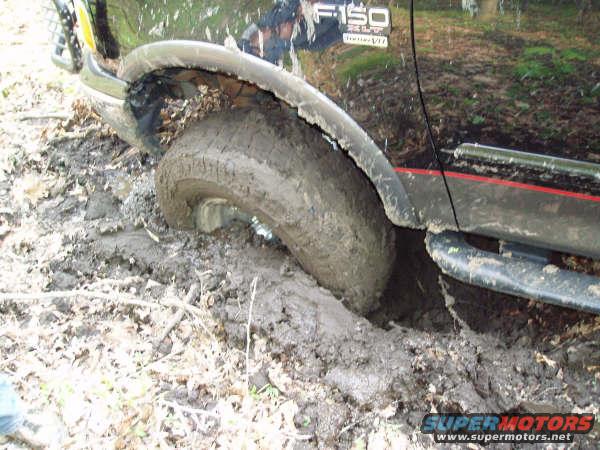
point(573, 54)
point(477, 120)
point(369, 63)
point(254, 393)
point(543, 63)
point(352, 53)
point(271, 391)
point(532, 69)
point(532, 52)
point(267, 391)
point(563, 67)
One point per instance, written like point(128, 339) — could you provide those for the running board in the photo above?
point(514, 276)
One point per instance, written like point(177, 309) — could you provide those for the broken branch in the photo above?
point(191, 295)
point(56, 115)
point(248, 324)
point(19, 297)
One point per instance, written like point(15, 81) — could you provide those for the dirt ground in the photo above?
point(79, 222)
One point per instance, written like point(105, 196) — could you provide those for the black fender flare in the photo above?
point(311, 104)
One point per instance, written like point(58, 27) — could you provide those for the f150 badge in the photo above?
point(359, 24)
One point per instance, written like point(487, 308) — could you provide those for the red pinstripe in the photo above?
point(498, 181)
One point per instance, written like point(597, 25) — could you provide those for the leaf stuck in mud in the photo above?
point(178, 114)
point(543, 359)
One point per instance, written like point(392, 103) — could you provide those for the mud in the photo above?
point(503, 354)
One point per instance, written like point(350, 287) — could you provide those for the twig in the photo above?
point(353, 424)
point(188, 409)
point(127, 281)
point(252, 297)
point(130, 153)
point(153, 236)
point(298, 437)
point(449, 302)
point(191, 295)
point(150, 365)
point(126, 300)
point(117, 298)
point(197, 312)
point(247, 354)
point(27, 437)
point(75, 135)
point(55, 115)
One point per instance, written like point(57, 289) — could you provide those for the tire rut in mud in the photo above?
point(411, 356)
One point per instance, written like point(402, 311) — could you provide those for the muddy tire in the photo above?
point(275, 167)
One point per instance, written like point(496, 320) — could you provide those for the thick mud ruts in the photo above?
point(433, 345)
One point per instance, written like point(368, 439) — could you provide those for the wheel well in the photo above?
point(165, 102)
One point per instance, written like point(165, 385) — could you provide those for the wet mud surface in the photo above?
point(434, 344)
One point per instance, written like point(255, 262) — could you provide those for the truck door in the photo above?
point(512, 88)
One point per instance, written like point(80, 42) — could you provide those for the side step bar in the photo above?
point(514, 276)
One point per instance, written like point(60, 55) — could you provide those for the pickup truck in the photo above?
point(335, 123)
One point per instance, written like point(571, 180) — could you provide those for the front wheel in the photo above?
point(279, 170)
